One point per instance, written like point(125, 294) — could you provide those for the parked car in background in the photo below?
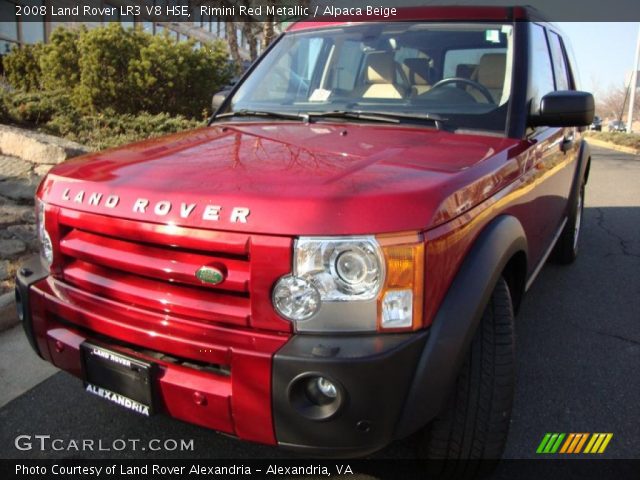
point(617, 126)
point(597, 124)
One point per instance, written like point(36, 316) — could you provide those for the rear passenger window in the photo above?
point(540, 70)
point(559, 64)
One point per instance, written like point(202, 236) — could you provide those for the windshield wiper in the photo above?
point(385, 117)
point(388, 117)
point(263, 113)
point(307, 116)
point(357, 115)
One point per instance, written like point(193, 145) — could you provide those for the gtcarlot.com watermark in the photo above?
point(44, 443)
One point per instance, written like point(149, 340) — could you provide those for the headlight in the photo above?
point(296, 298)
point(353, 284)
point(44, 241)
point(349, 269)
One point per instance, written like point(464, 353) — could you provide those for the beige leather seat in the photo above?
point(490, 73)
point(380, 77)
point(417, 72)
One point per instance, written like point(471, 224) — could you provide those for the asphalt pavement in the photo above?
point(578, 355)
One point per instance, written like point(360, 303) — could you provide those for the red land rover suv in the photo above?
point(335, 261)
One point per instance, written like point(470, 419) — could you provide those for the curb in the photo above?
point(612, 146)
point(8, 316)
point(36, 147)
point(6, 299)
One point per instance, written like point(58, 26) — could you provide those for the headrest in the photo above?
point(417, 70)
point(491, 70)
point(380, 68)
point(465, 70)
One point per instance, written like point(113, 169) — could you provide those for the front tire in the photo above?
point(475, 422)
point(566, 249)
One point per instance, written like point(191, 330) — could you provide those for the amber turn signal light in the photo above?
point(400, 302)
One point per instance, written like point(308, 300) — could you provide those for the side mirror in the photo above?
point(565, 108)
point(218, 99)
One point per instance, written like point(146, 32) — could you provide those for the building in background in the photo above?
point(14, 31)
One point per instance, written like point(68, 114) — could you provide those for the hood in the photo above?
point(287, 178)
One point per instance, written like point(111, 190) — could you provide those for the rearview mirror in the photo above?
point(218, 99)
point(565, 108)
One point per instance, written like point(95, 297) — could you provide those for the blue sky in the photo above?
point(604, 52)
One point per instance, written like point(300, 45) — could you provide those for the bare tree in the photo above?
point(268, 30)
point(250, 32)
point(615, 103)
point(232, 39)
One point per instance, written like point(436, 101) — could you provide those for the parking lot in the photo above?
point(578, 350)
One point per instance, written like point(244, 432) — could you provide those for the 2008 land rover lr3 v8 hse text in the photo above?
point(335, 261)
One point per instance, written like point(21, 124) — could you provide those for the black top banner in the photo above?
point(193, 11)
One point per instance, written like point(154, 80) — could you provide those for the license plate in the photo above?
point(123, 380)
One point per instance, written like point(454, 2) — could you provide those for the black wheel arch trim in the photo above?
point(583, 167)
point(457, 319)
point(581, 173)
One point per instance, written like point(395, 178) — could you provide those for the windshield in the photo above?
point(457, 72)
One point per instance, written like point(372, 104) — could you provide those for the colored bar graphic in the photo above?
point(582, 442)
point(567, 443)
point(574, 446)
point(555, 447)
point(598, 443)
point(605, 442)
point(550, 443)
point(594, 437)
point(555, 443)
point(543, 443)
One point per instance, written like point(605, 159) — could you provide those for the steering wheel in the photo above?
point(478, 86)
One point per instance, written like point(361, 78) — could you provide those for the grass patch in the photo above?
point(618, 138)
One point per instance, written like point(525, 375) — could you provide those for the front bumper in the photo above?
point(215, 377)
point(373, 374)
point(257, 395)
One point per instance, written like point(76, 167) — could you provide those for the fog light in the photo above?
point(315, 396)
point(397, 309)
point(327, 387)
point(321, 391)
